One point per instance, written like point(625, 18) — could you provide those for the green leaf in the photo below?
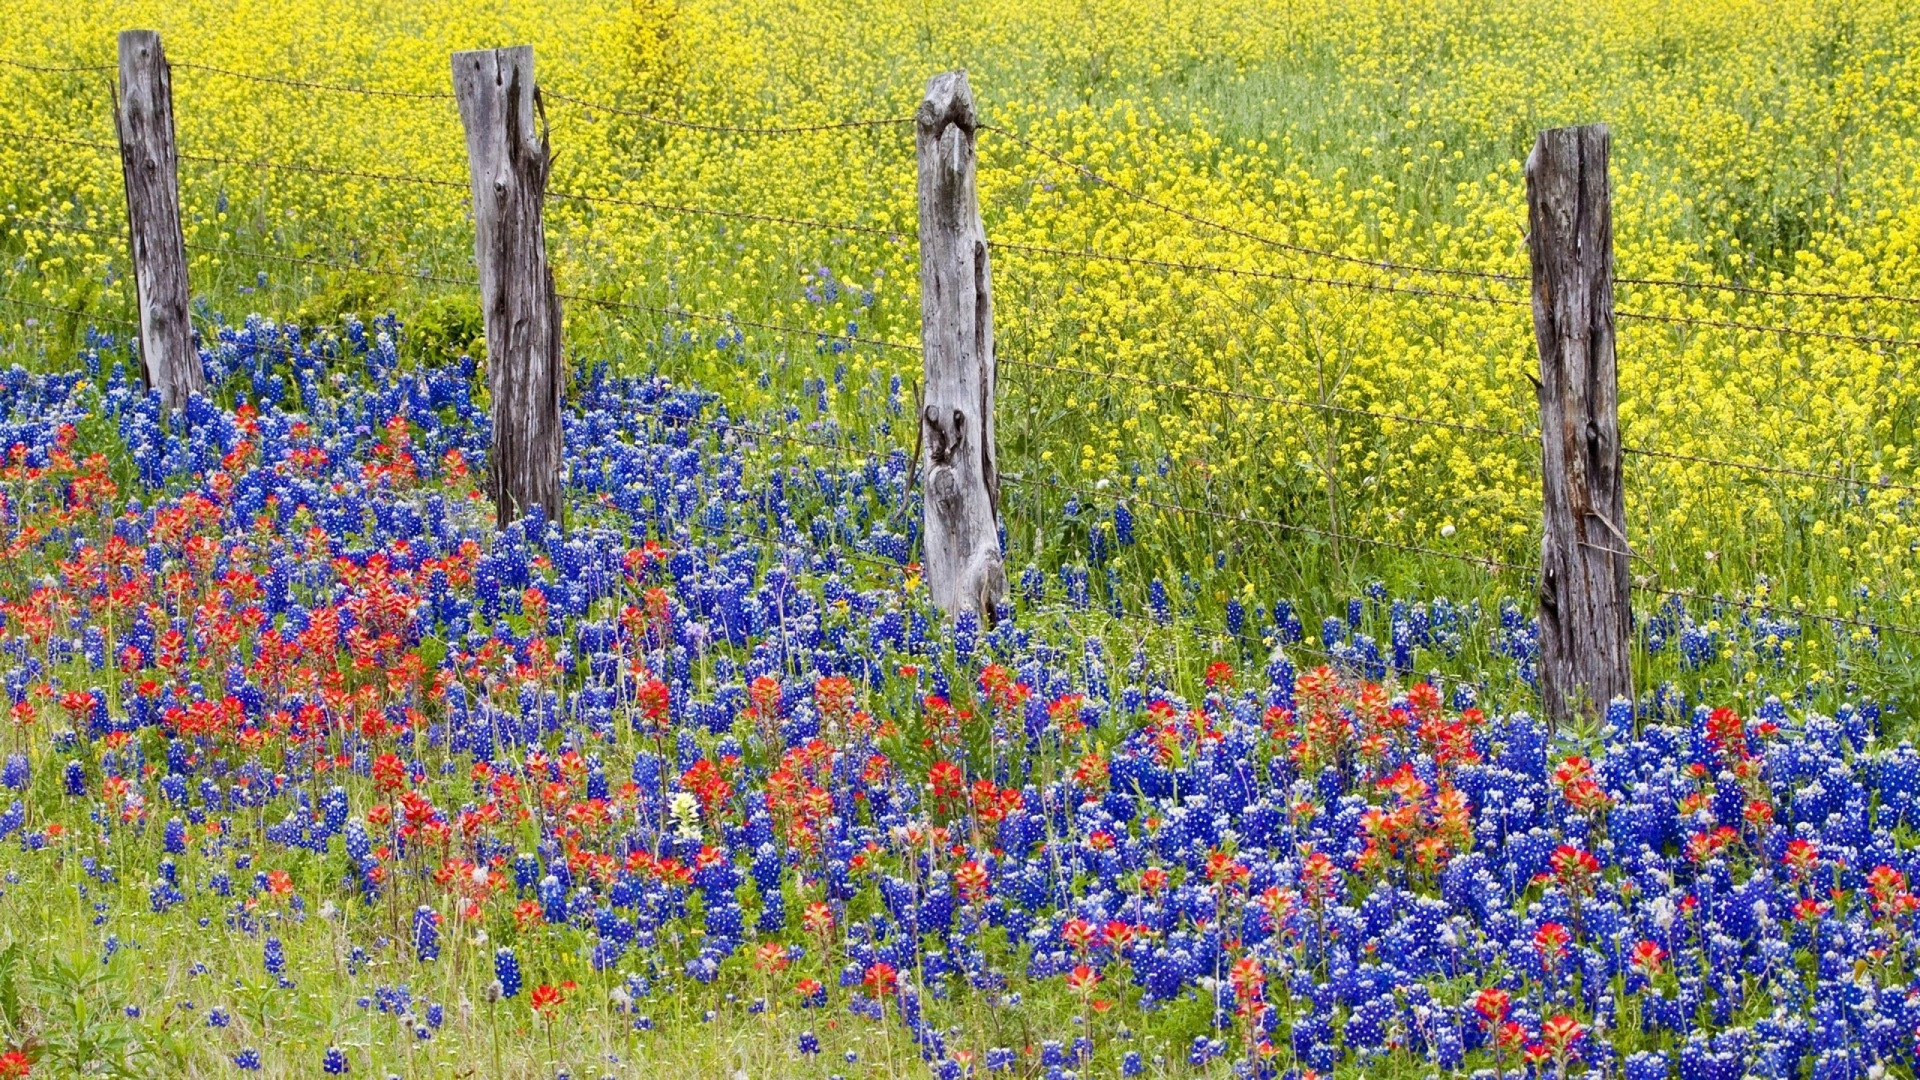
point(10, 987)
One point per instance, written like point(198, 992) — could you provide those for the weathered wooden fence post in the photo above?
point(1585, 621)
point(508, 161)
point(961, 488)
point(151, 167)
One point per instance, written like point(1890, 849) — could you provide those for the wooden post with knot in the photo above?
point(960, 489)
point(1585, 620)
point(508, 161)
point(150, 164)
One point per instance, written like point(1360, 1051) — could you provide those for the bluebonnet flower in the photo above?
point(426, 934)
point(506, 970)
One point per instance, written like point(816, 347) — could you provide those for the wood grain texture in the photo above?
point(150, 165)
point(961, 486)
point(508, 161)
point(1585, 620)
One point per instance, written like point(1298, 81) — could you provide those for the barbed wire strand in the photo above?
point(1267, 399)
point(395, 178)
point(250, 163)
point(725, 129)
point(341, 88)
point(1416, 268)
point(1755, 290)
point(1273, 275)
point(57, 69)
point(268, 256)
point(1759, 328)
point(723, 426)
point(1769, 609)
point(729, 320)
point(776, 219)
point(104, 319)
point(1231, 230)
point(1277, 275)
point(1882, 484)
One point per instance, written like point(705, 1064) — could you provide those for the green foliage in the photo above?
point(341, 294)
point(10, 1013)
point(98, 434)
point(87, 1031)
point(444, 329)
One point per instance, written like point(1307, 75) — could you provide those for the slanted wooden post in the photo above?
point(961, 487)
point(151, 166)
point(1585, 624)
point(508, 161)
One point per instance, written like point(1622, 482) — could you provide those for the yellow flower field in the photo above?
point(1769, 144)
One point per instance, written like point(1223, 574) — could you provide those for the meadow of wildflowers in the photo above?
point(308, 770)
point(1763, 143)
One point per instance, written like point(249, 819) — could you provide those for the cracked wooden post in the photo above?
point(1585, 621)
point(150, 165)
point(508, 162)
point(961, 486)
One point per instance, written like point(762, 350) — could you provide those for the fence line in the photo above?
point(1416, 268)
point(1756, 328)
point(1754, 290)
point(397, 178)
point(277, 80)
point(727, 129)
point(248, 163)
point(1780, 470)
point(1678, 320)
point(1089, 173)
point(1272, 275)
point(1231, 230)
point(56, 69)
point(776, 219)
point(729, 320)
point(1266, 399)
point(109, 319)
point(432, 278)
point(1280, 275)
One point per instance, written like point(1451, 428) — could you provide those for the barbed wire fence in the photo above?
point(1409, 279)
